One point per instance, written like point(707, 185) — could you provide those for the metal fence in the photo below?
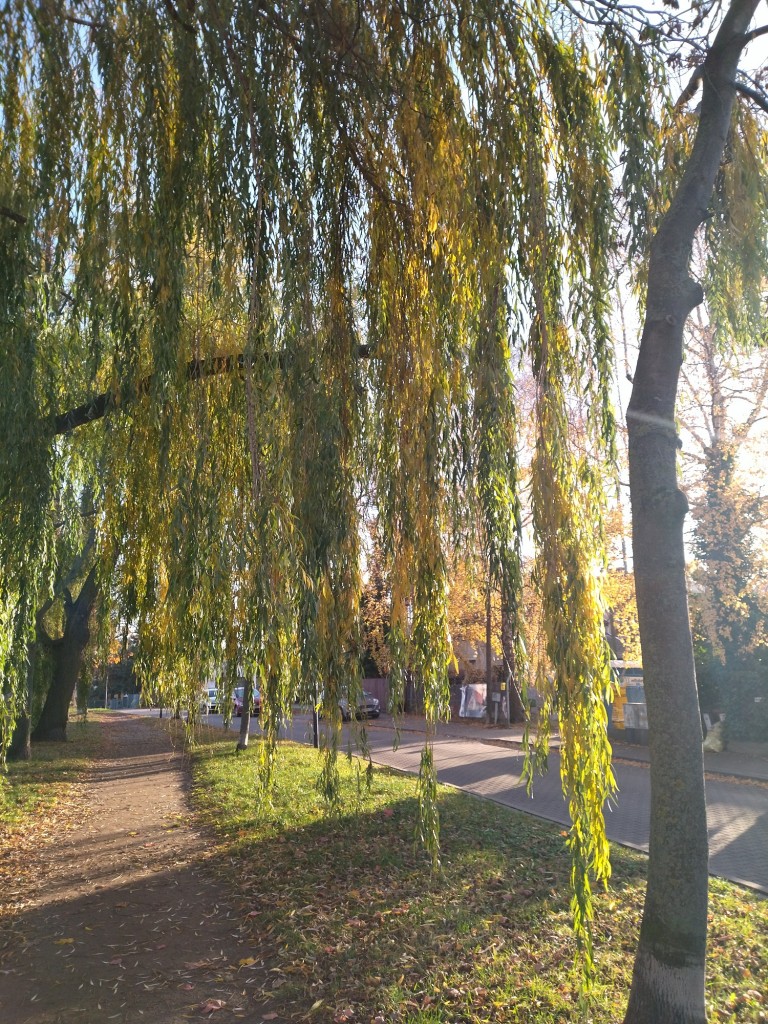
point(128, 700)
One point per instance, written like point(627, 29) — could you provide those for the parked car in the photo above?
point(210, 700)
point(237, 697)
point(367, 706)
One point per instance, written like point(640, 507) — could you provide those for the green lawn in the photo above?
point(32, 787)
point(347, 915)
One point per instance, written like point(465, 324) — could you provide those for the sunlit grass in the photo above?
point(352, 923)
point(30, 787)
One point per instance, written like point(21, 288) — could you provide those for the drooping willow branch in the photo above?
point(197, 369)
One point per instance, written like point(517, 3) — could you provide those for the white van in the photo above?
point(209, 700)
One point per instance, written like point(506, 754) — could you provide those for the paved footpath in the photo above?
point(737, 811)
point(122, 919)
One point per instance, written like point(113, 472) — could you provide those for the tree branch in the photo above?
point(741, 432)
point(17, 218)
point(757, 97)
point(197, 369)
point(690, 90)
point(81, 21)
point(98, 406)
point(171, 8)
point(757, 32)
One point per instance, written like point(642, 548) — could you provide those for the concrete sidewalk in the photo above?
point(749, 761)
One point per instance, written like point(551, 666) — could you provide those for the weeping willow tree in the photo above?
point(265, 265)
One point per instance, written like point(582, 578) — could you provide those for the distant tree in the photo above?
point(376, 606)
point(723, 412)
point(622, 605)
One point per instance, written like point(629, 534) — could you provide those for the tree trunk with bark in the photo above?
point(21, 741)
point(20, 748)
point(67, 657)
point(668, 978)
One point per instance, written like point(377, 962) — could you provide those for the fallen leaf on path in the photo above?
point(63, 942)
point(211, 1005)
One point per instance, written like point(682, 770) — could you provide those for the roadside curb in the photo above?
point(748, 768)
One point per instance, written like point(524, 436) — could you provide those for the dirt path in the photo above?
point(126, 922)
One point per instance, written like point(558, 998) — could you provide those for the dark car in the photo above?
point(237, 698)
point(367, 706)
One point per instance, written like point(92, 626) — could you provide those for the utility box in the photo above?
point(627, 713)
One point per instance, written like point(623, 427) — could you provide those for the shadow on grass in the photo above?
point(339, 917)
point(355, 922)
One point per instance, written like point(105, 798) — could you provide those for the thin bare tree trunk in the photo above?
point(491, 713)
point(516, 711)
point(245, 718)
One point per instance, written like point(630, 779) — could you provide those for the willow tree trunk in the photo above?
point(67, 657)
point(668, 978)
point(21, 741)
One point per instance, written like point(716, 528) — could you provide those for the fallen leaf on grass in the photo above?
point(211, 1005)
point(63, 942)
